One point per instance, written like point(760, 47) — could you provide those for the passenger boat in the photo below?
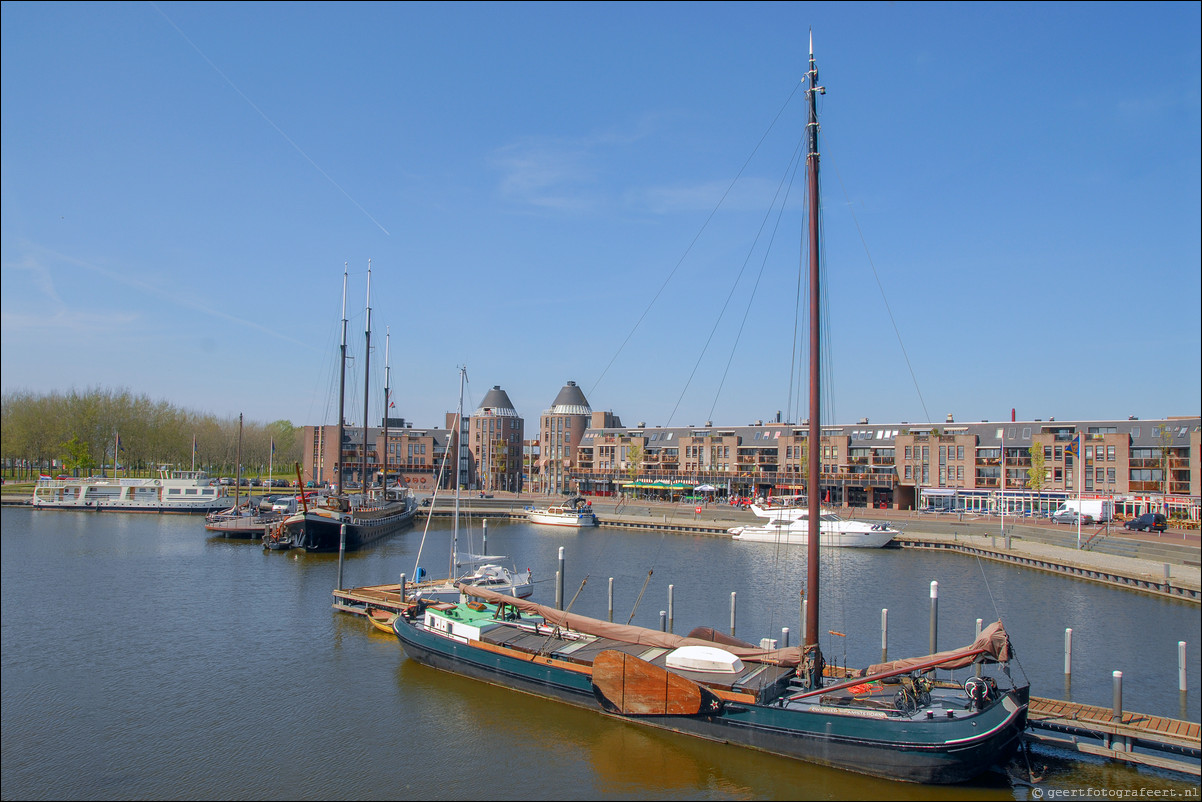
point(486, 570)
point(574, 512)
point(790, 526)
point(172, 491)
point(896, 720)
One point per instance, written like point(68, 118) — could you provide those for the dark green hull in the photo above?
point(935, 750)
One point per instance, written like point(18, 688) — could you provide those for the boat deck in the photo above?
point(756, 679)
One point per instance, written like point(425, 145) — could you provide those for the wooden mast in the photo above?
point(366, 384)
point(813, 490)
point(341, 469)
point(387, 381)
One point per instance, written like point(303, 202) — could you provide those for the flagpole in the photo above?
point(1077, 457)
point(194, 453)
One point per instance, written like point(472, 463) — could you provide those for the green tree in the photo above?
point(1037, 473)
point(76, 456)
point(634, 461)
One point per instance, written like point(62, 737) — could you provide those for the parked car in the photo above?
point(1067, 516)
point(1148, 522)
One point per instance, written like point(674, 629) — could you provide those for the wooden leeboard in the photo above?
point(634, 687)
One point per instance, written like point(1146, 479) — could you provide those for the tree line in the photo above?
point(82, 433)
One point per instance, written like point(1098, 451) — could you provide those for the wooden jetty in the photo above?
point(1163, 743)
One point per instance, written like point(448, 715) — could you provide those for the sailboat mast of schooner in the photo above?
point(365, 517)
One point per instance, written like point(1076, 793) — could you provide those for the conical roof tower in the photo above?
point(570, 401)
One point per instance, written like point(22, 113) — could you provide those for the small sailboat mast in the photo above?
point(366, 382)
point(238, 467)
point(458, 478)
point(387, 382)
point(341, 469)
point(813, 661)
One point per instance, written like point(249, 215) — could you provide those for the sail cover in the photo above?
point(991, 646)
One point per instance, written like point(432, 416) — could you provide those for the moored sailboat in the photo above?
point(485, 570)
point(897, 720)
point(342, 521)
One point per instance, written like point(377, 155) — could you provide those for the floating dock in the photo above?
point(1163, 743)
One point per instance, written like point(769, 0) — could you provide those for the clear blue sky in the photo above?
point(1011, 219)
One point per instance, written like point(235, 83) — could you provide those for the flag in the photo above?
point(1074, 447)
point(391, 404)
point(273, 446)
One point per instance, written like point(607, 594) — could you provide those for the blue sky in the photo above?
point(1011, 212)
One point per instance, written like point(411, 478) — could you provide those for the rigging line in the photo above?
point(784, 182)
point(881, 287)
point(997, 613)
point(269, 121)
point(798, 296)
point(650, 571)
point(787, 182)
point(437, 484)
point(696, 237)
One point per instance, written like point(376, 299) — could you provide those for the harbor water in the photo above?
point(144, 659)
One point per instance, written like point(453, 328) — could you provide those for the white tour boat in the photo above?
point(172, 491)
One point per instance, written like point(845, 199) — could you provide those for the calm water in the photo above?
point(142, 659)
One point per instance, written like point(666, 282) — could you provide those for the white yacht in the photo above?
point(790, 526)
point(574, 512)
point(172, 491)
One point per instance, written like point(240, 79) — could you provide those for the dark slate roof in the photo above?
point(570, 401)
point(496, 402)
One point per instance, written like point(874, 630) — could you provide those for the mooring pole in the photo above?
point(884, 634)
point(934, 618)
point(671, 609)
point(978, 635)
point(1117, 715)
point(559, 582)
point(341, 552)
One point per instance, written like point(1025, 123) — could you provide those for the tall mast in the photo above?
point(341, 469)
point(814, 524)
point(238, 467)
point(387, 380)
point(366, 370)
point(458, 466)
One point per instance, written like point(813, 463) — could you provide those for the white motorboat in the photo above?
point(790, 526)
point(574, 512)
